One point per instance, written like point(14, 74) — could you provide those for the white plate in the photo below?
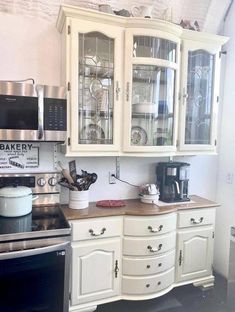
point(138, 136)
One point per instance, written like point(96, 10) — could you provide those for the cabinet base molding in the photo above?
point(87, 309)
point(206, 283)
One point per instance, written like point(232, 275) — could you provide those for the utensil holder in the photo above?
point(78, 199)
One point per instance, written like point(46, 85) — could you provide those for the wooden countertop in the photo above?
point(135, 207)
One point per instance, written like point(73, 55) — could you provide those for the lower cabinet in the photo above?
point(194, 253)
point(95, 270)
point(139, 257)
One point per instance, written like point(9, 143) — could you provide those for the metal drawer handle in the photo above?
point(151, 230)
point(97, 234)
point(151, 249)
point(193, 221)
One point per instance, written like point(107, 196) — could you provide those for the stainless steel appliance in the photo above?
point(172, 178)
point(32, 113)
point(35, 250)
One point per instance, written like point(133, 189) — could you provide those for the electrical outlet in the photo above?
point(112, 179)
point(229, 178)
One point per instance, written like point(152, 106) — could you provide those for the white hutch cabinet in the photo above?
point(136, 86)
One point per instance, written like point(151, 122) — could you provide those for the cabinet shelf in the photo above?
point(152, 116)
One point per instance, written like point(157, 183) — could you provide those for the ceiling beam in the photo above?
point(215, 15)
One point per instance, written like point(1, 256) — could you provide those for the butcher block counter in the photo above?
point(135, 207)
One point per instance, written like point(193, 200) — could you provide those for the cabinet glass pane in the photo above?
point(152, 105)
point(200, 97)
point(96, 95)
point(146, 46)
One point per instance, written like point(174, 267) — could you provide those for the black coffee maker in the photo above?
point(172, 179)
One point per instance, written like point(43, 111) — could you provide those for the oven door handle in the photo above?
point(40, 111)
point(60, 248)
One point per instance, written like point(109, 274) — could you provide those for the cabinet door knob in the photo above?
point(152, 249)
point(118, 90)
point(148, 266)
point(116, 269)
point(159, 283)
point(159, 264)
point(147, 285)
point(151, 230)
point(193, 221)
point(97, 234)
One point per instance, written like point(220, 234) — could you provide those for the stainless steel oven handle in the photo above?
point(40, 94)
point(33, 252)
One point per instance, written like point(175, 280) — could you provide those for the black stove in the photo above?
point(45, 221)
point(46, 218)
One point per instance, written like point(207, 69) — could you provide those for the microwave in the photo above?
point(31, 112)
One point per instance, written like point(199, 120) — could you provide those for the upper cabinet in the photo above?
point(138, 86)
point(199, 94)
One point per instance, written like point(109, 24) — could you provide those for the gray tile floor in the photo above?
point(181, 299)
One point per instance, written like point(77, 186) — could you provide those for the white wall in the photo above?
point(30, 47)
point(225, 190)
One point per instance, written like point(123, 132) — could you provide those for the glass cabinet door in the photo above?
point(151, 82)
point(200, 90)
point(96, 88)
point(95, 78)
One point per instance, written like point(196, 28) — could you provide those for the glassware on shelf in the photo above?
point(152, 105)
point(153, 47)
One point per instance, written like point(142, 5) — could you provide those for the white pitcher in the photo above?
point(142, 11)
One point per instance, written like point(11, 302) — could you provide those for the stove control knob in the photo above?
point(41, 181)
point(52, 181)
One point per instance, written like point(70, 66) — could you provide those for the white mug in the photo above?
point(106, 8)
point(142, 11)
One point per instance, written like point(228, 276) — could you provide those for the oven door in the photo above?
point(35, 280)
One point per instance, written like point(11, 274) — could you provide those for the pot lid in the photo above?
point(18, 191)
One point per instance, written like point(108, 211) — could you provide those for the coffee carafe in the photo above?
point(172, 179)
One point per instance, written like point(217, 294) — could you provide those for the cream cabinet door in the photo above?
point(151, 97)
point(194, 253)
point(95, 75)
point(95, 270)
point(200, 75)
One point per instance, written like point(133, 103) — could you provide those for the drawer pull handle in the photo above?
point(159, 283)
point(148, 266)
point(193, 221)
point(151, 249)
point(97, 234)
point(151, 230)
point(147, 285)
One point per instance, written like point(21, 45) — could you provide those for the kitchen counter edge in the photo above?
point(136, 208)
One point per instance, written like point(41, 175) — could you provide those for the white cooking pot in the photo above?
point(15, 201)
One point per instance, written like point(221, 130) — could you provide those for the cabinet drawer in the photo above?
point(141, 226)
point(153, 265)
point(148, 246)
point(147, 285)
point(95, 228)
point(196, 217)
